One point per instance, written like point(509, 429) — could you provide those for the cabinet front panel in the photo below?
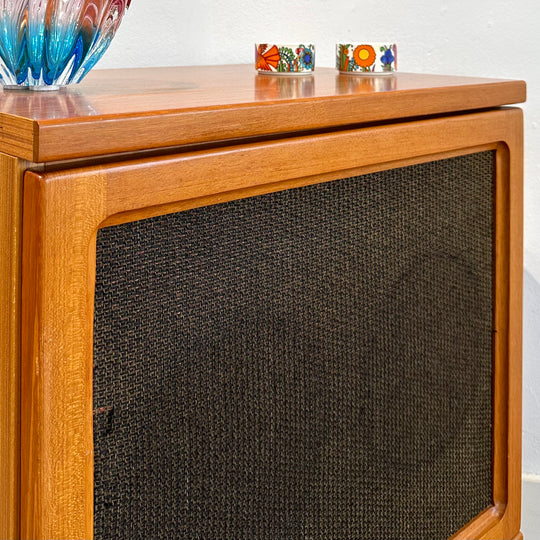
point(310, 363)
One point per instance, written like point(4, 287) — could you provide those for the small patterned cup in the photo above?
point(366, 58)
point(284, 59)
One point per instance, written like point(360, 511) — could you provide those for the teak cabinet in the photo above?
point(132, 144)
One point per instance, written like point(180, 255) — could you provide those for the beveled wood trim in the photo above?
point(508, 403)
point(515, 327)
point(60, 219)
point(206, 200)
point(11, 181)
point(63, 211)
point(502, 316)
point(503, 520)
point(518, 537)
point(489, 520)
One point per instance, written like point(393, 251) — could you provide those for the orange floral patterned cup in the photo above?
point(285, 59)
point(367, 58)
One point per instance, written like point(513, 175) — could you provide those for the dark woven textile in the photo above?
point(314, 363)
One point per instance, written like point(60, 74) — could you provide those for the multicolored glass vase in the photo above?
point(45, 44)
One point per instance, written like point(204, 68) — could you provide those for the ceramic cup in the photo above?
point(284, 59)
point(367, 58)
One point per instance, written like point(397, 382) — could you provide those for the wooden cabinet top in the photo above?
point(115, 111)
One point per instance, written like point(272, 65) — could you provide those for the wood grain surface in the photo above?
point(115, 111)
point(11, 182)
point(56, 385)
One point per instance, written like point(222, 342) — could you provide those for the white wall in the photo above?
point(488, 38)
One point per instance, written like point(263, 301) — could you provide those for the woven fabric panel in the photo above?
point(314, 363)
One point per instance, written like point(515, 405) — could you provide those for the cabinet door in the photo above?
point(274, 308)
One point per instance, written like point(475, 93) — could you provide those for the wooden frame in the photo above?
point(63, 211)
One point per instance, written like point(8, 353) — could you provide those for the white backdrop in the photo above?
point(487, 38)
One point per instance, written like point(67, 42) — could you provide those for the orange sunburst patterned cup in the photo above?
point(284, 59)
point(367, 58)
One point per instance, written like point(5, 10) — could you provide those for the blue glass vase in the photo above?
point(45, 44)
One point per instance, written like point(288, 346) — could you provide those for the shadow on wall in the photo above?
point(531, 374)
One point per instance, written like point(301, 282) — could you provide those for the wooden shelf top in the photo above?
point(115, 111)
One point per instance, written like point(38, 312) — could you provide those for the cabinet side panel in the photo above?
point(11, 172)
